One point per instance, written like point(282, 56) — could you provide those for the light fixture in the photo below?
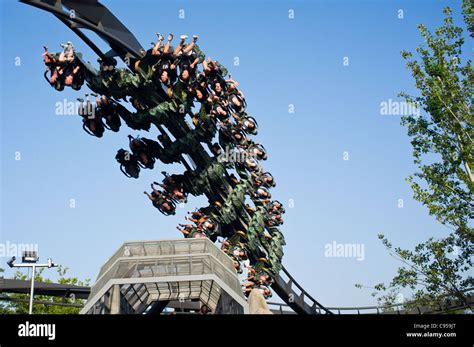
point(29, 257)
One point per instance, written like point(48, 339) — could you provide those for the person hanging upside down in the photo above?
point(161, 201)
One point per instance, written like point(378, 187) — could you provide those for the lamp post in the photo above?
point(30, 260)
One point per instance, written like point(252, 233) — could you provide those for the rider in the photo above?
point(161, 201)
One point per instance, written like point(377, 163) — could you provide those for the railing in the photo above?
point(399, 308)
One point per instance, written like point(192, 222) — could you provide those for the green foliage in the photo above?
point(440, 270)
point(442, 136)
point(436, 272)
point(3, 310)
point(21, 307)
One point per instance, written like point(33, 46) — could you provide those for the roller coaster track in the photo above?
point(79, 15)
point(67, 291)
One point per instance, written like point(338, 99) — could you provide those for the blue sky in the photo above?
point(282, 62)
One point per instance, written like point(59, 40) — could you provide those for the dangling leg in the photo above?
point(180, 45)
point(153, 187)
point(70, 53)
point(156, 48)
point(80, 110)
point(149, 196)
point(190, 47)
point(89, 107)
point(48, 58)
point(168, 43)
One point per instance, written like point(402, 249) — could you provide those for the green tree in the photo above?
point(440, 270)
point(3, 310)
point(19, 302)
